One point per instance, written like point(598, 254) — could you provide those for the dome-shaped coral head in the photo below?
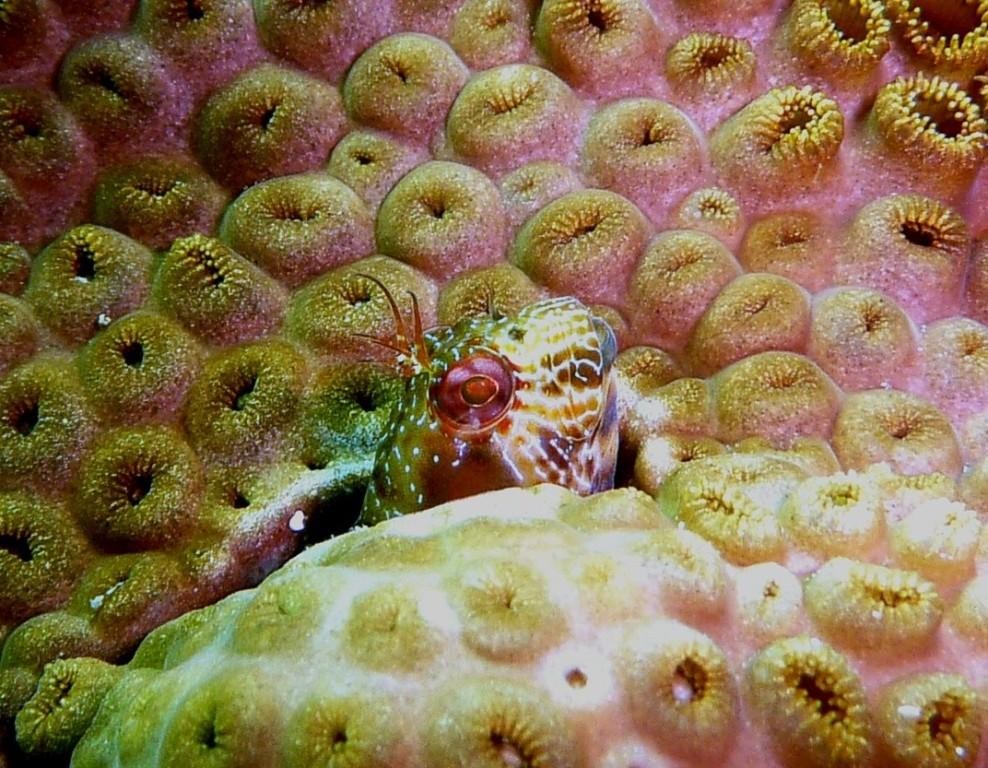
point(497, 401)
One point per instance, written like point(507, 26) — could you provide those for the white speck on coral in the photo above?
point(297, 521)
point(909, 711)
point(97, 602)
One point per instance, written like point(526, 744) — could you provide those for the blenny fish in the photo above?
point(497, 401)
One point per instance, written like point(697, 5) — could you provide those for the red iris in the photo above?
point(475, 393)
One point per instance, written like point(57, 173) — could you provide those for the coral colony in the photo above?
point(326, 329)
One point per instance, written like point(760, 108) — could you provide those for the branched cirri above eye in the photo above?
point(475, 393)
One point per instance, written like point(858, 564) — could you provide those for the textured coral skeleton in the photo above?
point(213, 214)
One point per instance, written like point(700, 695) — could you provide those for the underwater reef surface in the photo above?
point(781, 208)
point(536, 627)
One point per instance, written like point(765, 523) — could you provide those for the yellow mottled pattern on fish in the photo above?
point(494, 402)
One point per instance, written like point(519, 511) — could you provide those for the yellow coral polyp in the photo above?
point(786, 137)
point(968, 616)
point(742, 529)
point(951, 35)
point(769, 601)
point(712, 210)
point(912, 248)
point(811, 704)
point(689, 570)
point(597, 44)
point(755, 313)
point(679, 275)
point(930, 124)
point(839, 37)
point(909, 433)
point(793, 244)
point(68, 695)
point(708, 63)
point(776, 395)
point(873, 609)
point(660, 456)
point(680, 688)
point(939, 539)
point(861, 338)
point(930, 721)
point(835, 515)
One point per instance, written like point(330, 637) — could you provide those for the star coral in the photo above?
point(530, 670)
point(196, 198)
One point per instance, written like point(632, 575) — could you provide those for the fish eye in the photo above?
point(475, 393)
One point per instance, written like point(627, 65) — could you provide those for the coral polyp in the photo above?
point(207, 40)
point(951, 35)
point(297, 227)
point(86, 278)
point(896, 427)
point(533, 186)
point(40, 555)
point(707, 63)
point(215, 293)
point(776, 395)
point(861, 338)
point(122, 92)
point(794, 244)
point(404, 84)
point(811, 703)
point(925, 123)
point(69, 693)
point(442, 218)
point(501, 116)
point(139, 368)
point(930, 719)
point(870, 607)
point(323, 38)
point(15, 267)
point(140, 487)
point(712, 210)
point(680, 689)
point(157, 199)
point(845, 39)
point(835, 515)
point(45, 423)
point(603, 46)
point(785, 138)
point(678, 276)
point(644, 149)
point(370, 163)
point(913, 248)
point(245, 400)
point(755, 313)
point(24, 25)
point(20, 331)
point(270, 121)
point(335, 313)
point(565, 244)
point(486, 33)
point(502, 288)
